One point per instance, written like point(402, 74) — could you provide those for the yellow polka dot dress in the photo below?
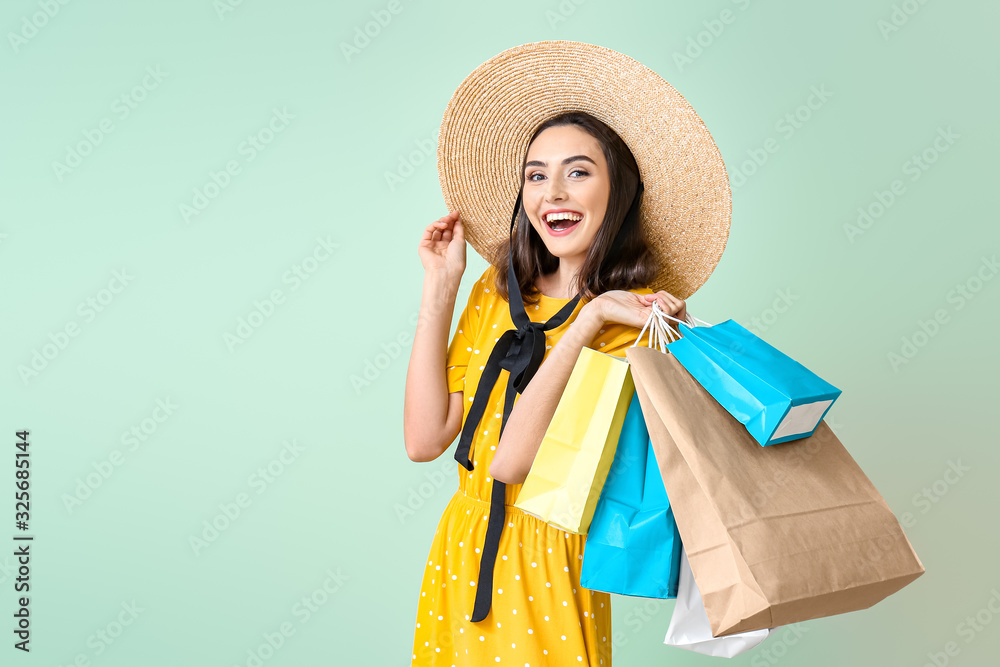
point(539, 615)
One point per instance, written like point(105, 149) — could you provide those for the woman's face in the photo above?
point(566, 172)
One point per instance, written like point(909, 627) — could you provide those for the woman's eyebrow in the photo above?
point(539, 163)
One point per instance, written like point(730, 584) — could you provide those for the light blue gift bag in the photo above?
point(633, 546)
point(775, 397)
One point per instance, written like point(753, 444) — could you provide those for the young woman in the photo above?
point(572, 165)
point(500, 585)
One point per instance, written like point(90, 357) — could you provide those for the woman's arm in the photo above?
point(532, 412)
point(431, 416)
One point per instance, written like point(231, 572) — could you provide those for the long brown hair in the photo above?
point(634, 266)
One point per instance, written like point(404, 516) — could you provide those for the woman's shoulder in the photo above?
point(484, 288)
point(488, 278)
point(483, 292)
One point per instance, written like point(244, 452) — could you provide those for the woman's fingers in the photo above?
point(668, 302)
point(444, 230)
point(445, 223)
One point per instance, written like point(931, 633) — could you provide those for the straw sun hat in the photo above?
point(686, 205)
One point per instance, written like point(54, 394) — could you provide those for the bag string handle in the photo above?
point(660, 331)
point(658, 326)
point(691, 319)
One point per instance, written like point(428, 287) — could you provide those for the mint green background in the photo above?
point(333, 508)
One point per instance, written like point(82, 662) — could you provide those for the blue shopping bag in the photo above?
point(775, 397)
point(633, 546)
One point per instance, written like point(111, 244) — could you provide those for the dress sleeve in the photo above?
point(617, 339)
point(460, 348)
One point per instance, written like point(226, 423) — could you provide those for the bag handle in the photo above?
point(660, 332)
point(658, 325)
point(691, 319)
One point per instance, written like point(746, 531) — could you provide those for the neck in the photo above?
point(560, 282)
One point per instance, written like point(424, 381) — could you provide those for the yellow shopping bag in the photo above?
point(573, 459)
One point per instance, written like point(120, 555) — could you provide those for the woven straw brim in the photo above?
point(686, 206)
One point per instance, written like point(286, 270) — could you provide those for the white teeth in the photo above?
point(566, 215)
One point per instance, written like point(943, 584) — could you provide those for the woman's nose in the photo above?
point(555, 190)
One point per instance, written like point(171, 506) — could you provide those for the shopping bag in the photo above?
point(568, 472)
point(775, 397)
point(774, 535)
point(573, 459)
point(633, 547)
point(689, 628)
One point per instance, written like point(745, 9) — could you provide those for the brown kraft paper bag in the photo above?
point(774, 535)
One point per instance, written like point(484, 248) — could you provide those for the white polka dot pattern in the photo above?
point(536, 579)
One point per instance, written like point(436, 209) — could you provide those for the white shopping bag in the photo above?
point(689, 628)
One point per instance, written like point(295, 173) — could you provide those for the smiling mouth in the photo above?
point(564, 222)
point(562, 225)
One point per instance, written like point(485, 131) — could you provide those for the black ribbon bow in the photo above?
point(518, 351)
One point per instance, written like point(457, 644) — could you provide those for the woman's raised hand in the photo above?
point(442, 247)
point(634, 309)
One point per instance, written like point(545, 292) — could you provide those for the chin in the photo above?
point(557, 247)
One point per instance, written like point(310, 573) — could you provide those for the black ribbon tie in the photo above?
point(518, 351)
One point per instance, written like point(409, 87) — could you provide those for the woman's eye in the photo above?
point(582, 172)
